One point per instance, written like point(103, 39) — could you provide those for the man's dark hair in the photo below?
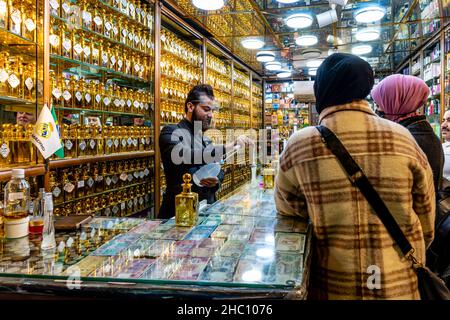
point(198, 91)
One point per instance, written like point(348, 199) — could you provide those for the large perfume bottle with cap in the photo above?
point(186, 205)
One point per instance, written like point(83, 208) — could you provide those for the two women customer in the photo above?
point(354, 255)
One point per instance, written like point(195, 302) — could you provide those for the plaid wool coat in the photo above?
point(351, 243)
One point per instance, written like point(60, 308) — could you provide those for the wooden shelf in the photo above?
point(30, 171)
point(109, 157)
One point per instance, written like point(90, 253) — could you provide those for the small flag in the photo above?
point(60, 152)
point(45, 135)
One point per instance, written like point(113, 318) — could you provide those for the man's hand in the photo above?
point(209, 182)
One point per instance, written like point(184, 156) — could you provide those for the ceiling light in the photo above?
point(310, 53)
point(284, 74)
point(306, 41)
point(299, 21)
point(312, 71)
point(367, 34)
point(208, 4)
point(273, 66)
point(265, 56)
point(369, 14)
point(326, 18)
point(252, 43)
point(362, 49)
point(286, 1)
point(313, 63)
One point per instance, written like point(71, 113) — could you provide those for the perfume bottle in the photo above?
point(79, 94)
point(107, 98)
point(89, 181)
point(66, 42)
point(55, 39)
point(78, 45)
point(6, 140)
point(15, 17)
point(55, 188)
point(88, 93)
point(15, 79)
point(87, 51)
point(65, 9)
point(98, 96)
point(48, 235)
point(81, 141)
point(29, 21)
point(3, 14)
point(186, 205)
point(29, 82)
point(86, 15)
point(56, 90)
point(69, 137)
point(98, 176)
point(98, 20)
point(68, 87)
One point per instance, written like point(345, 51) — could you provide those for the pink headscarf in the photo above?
point(400, 96)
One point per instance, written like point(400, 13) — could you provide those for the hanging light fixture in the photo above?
point(368, 34)
point(312, 71)
point(314, 63)
point(284, 74)
point(273, 66)
point(369, 14)
point(265, 56)
point(208, 5)
point(252, 43)
point(299, 20)
point(308, 40)
point(362, 49)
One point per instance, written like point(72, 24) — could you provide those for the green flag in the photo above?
point(60, 152)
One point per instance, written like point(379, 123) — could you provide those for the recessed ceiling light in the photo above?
point(252, 43)
point(370, 14)
point(306, 41)
point(208, 4)
point(313, 63)
point(265, 56)
point(287, 1)
point(312, 71)
point(273, 66)
point(367, 34)
point(310, 53)
point(362, 49)
point(299, 20)
point(284, 74)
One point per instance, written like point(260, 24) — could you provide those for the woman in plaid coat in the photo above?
point(354, 255)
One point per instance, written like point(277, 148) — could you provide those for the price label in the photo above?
point(108, 181)
point(13, 81)
point(78, 95)
point(116, 143)
point(87, 97)
point(56, 93)
point(115, 31)
point(113, 60)
point(136, 104)
point(108, 26)
point(124, 143)
point(98, 21)
point(66, 7)
point(99, 179)
point(117, 102)
point(109, 143)
point(56, 192)
point(54, 4)
point(69, 187)
point(81, 184)
point(30, 24)
point(78, 48)
point(106, 101)
point(105, 58)
point(67, 44)
point(130, 141)
point(4, 150)
point(92, 143)
point(3, 75)
point(90, 182)
point(82, 145)
point(29, 83)
point(98, 98)
point(66, 95)
point(69, 145)
point(87, 51)
point(123, 205)
point(124, 176)
point(129, 103)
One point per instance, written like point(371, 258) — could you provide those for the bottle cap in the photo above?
point(18, 173)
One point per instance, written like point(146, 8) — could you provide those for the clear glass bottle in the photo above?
point(186, 205)
point(48, 235)
point(17, 196)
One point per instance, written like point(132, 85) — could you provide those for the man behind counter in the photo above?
point(199, 107)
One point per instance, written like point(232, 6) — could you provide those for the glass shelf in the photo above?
point(123, 15)
point(7, 37)
point(12, 101)
point(102, 112)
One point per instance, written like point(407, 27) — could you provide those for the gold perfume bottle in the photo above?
point(98, 97)
point(3, 14)
point(92, 142)
point(65, 9)
point(30, 150)
point(54, 39)
point(99, 141)
point(79, 182)
point(55, 188)
point(107, 98)
point(66, 42)
point(68, 186)
point(29, 21)
point(86, 15)
point(186, 205)
point(79, 94)
point(15, 83)
point(98, 20)
point(6, 141)
point(81, 141)
point(87, 51)
point(29, 82)
point(97, 176)
point(88, 93)
point(15, 17)
point(78, 45)
point(89, 180)
point(67, 94)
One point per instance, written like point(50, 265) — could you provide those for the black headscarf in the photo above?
point(342, 78)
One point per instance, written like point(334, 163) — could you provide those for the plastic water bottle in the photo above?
point(48, 235)
point(17, 196)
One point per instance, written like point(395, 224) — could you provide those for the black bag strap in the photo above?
point(358, 178)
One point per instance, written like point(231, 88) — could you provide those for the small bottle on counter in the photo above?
point(48, 236)
point(186, 205)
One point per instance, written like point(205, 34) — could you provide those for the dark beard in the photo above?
point(205, 122)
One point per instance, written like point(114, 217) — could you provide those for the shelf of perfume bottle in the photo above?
point(62, 163)
point(100, 36)
point(222, 91)
point(9, 38)
point(123, 15)
point(150, 205)
point(165, 52)
point(188, 83)
point(225, 75)
point(171, 100)
point(94, 111)
point(100, 193)
point(67, 63)
point(12, 101)
point(30, 171)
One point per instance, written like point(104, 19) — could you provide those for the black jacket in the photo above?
point(430, 144)
point(174, 172)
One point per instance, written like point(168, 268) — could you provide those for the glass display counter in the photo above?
point(239, 248)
